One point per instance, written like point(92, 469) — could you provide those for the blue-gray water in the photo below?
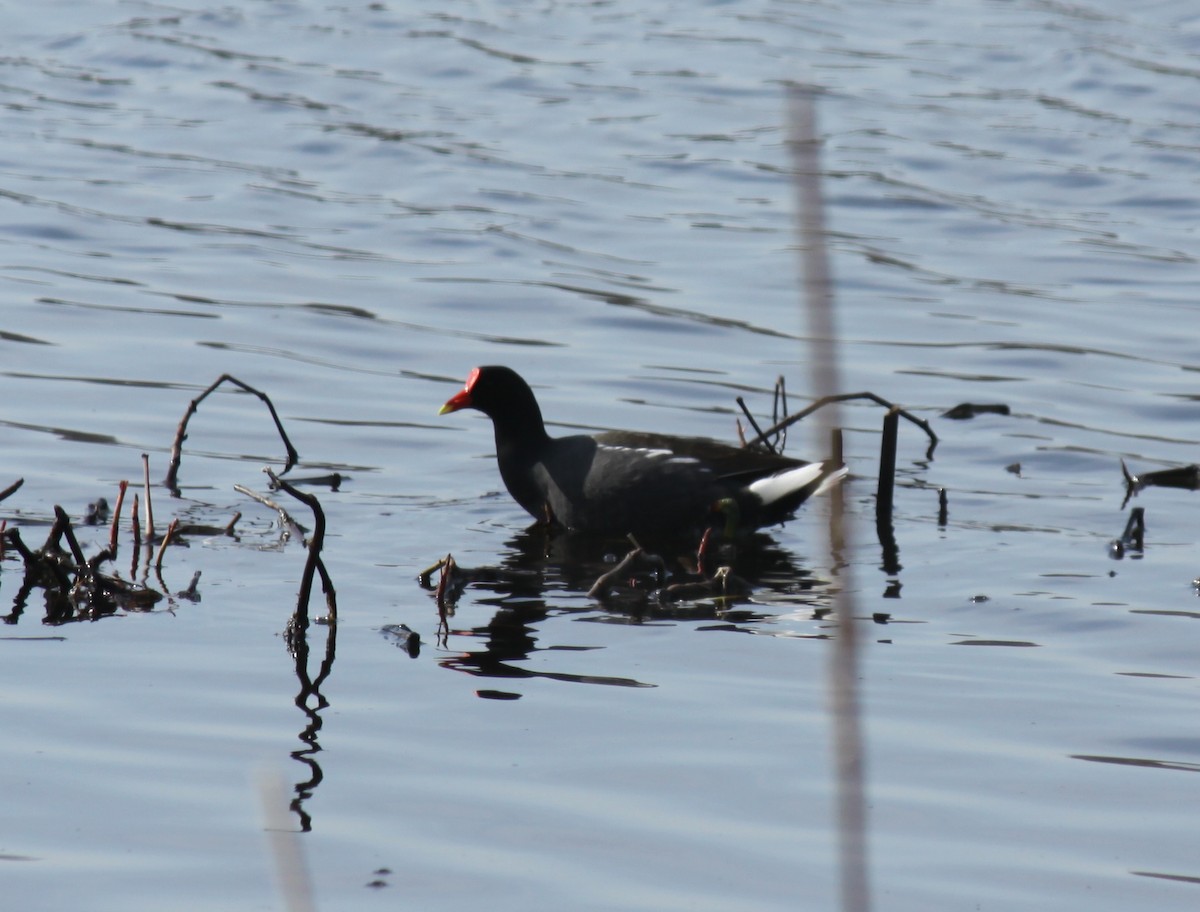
point(349, 206)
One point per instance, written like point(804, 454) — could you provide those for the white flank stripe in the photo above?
point(781, 484)
point(644, 451)
point(651, 453)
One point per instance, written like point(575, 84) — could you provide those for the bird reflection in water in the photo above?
point(544, 574)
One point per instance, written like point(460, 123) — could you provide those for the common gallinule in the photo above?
point(620, 482)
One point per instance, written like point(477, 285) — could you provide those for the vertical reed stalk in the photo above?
point(843, 664)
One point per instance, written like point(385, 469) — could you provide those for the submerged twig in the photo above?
point(191, 593)
point(636, 559)
point(723, 584)
point(622, 568)
point(285, 518)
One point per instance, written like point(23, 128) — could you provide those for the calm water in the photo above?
point(348, 206)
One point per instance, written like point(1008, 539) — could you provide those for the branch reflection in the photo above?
point(311, 702)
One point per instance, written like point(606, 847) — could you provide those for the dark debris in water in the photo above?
point(967, 410)
point(497, 695)
point(403, 637)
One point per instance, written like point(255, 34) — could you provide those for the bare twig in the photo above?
point(284, 517)
point(445, 583)
point(425, 577)
point(116, 517)
point(63, 522)
point(135, 523)
point(12, 488)
point(14, 536)
point(831, 399)
point(761, 438)
point(171, 480)
point(166, 540)
point(146, 488)
point(779, 409)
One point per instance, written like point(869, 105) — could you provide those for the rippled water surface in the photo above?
point(348, 206)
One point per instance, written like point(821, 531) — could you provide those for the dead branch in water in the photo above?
point(75, 587)
point(285, 518)
point(146, 488)
point(12, 488)
point(314, 564)
point(782, 425)
point(171, 481)
point(116, 517)
point(166, 540)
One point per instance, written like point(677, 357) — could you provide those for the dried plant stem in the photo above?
point(285, 518)
point(448, 568)
point(135, 524)
point(12, 488)
point(166, 540)
point(146, 488)
point(116, 517)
